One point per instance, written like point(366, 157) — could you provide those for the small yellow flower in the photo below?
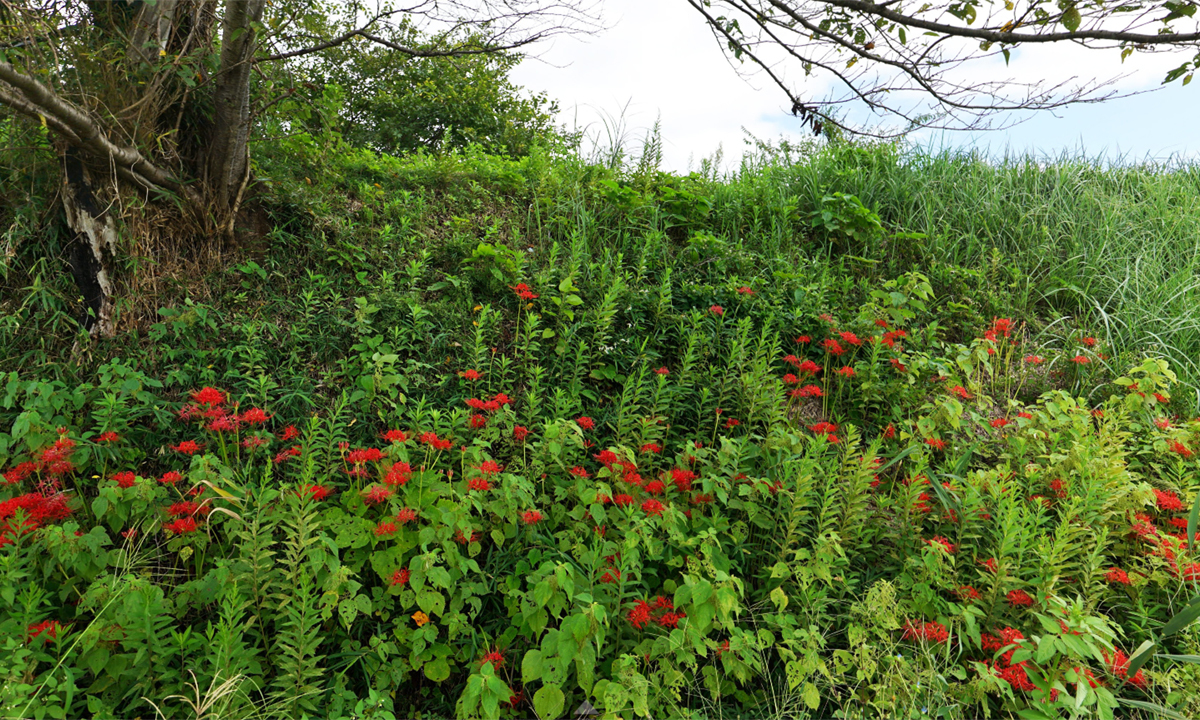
point(420, 617)
point(477, 308)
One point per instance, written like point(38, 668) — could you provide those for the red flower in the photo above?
point(1080, 360)
point(943, 542)
point(1019, 598)
point(181, 526)
point(999, 422)
point(933, 632)
point(585, 422)
point(1118, 665)
point(495, 658)
point(670, 619)
point(1168, 501)
point(989, 565)
point(520, 432)
point(489, 467)
point(890, 431)
point(961, 392)
point(653, 507)
point(208, 396)
point(1001, 326)
point(851, 338)
point(471, 375)
point(124, 479)
point(478, 421)
point(385, 528)
point(318, 492)
point(400, 577)
point(406, 515)
point(464, 540)
point(881, 323)
point(578, 472)
point(966, 593)
point(431, 439)
point(656, 487)
point(640, 615)
point(531, 517)
point(803, 340)
point(1117, 576)
point(1089, 341)
point(395, 436)
point(170, 478)
point(290, 432)
point(743, 290)
point(833, 347)
point(846, 371)
point(717, 310)
point(651, 448)
point(255, 416)
point(377, 494)
point(610, 576)
point(227, 423)
point(935, 443)
point(790, 379)
point(522, 290)
point(1161, 398)
point(1025, 415)
point(1180, 449)
point(623, 500)
point(732, 423)
point(188, 447)
point(108, 437)
point(50, 629)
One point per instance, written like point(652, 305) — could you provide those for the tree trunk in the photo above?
point(228, 152)
point(93, 244)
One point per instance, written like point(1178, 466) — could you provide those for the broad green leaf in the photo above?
point(437, 670)
point(548, 702)
point(1139, 657)
point(1071, 19)
point(1183, 618)
point(1158, 710)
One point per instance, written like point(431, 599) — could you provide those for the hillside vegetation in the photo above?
point(853, 431)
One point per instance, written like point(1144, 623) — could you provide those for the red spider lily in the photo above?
point(1167, 501)
point(255, 416)
point(464, 540)
point(1025, 415)
point(606, 458)
point(1117, 576)
point(960, 392)
point(478, 421)
point(702, 499)
point(846, 371)
point(833, 347)
point(579, 472)
point(941, 542)
point(851, 338)
point(181, 526)
point(882, 324)
point(400, 577)
point(520, 432)
point(1000, 422)
point(289, 433)
point(656, 487)
point(1162, 424)
point(823, 428)
point(1001, 326)
point(124, 479)
point(479, 484)
point(316, 492)
point(640, 615)
point(803, 340)
point(531, 517)
point(631, 477)
point(108, 437)
point(623, 500)
point(1089, 341)
point(653, 507)
point(743, 290)
point(935, 443)
point(395, 436)
point(717, 310)
point(47, 629)
point(431, 439)
point(585, 422)
point(813, 391)
point(385, 528)
point(808, 366)
point(966, 593)
point(522, 290)
point(989, 565)
point(377, 494)
point(611, 576)
point(933, 632)
point(670, 619)
point(489, 467)
point(170, 478)
point(662, 371)
point(188, 447)
point(651, 448)
point(1180, 449)
point(406, 515)
point(732, 423)
point(1118, 665)
point(187, 508)
point(682, 479)
point(1080, 360)
point(1179, 523)
point(20, 472)
point(208, 396)
point(471, 375)
point(254, 442)
point(792, 360)
point(900, 367)
point(790, 379)
point(291, 452)
point(603, 498)
point(495, 658)
point(1019, 598)
point(826, 317)
point(1161, 398)
point(228, 423)
point(364, 455)
point(1035, 359)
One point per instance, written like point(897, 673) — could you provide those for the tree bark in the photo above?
point(93, 245)
point(228, 152)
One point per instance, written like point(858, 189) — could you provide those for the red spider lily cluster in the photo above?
point(661, 612)
point(930, 632)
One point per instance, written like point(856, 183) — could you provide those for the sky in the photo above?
point(656, 59)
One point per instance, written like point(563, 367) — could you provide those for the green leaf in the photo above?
point(1183, 618)
point(811, 696)
point(1139, 657)
point(1192, 659)
point(100, 506)
point(1151, 707)
point(548, 702)
point(1071, 19)
point(1193, 521)
point(531, 667)
point(437, 670)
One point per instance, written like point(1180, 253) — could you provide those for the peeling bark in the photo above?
point(94, 243)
